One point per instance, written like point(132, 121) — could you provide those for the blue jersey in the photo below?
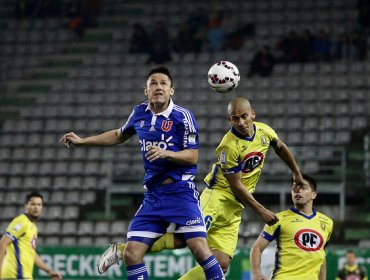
point(175, 129)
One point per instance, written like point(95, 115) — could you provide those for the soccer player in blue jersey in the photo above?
point(301, 235)
point(18, 245)
point(168, 135)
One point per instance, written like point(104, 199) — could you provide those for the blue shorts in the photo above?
point(175, 203)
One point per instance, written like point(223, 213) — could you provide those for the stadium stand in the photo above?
point(53, 82)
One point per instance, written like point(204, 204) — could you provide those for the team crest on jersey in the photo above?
point(264, 141)
point(323, 226)
point(251, 161)
point(308, 240)
point(166, 125)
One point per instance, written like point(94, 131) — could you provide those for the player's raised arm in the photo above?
point(246, 197)
point(282, 150)
point(108, 138)
point(255, 257)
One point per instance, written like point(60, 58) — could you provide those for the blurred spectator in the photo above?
point(289, 47)
point(306, 46)
point(322, 46)
point(77, 25)
point(185, 41)
point(139, 42)
point(262, 63)
point(198, 23)
point(160, 51)
point(344, 48)
point(351, 270)
point(216, 37)
point(237, 37)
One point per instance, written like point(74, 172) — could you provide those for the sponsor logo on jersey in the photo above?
point(163, 144)
point(192, 139)
point(308, 240)
point(193, 222)
point(17, 227)
point(251, 161)
point(166, 125)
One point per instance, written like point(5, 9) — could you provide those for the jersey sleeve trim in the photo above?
point(267, 236)
point(10, 236)
point(232, 170)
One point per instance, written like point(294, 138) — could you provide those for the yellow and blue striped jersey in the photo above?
point(237, 153)
point(300, 244)
point(20, 254)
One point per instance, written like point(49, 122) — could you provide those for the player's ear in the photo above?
point(172, 91)
point(145, 92)
point(253, 113)
point(314, 194)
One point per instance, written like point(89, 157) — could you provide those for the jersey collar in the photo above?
point(233, 130)
point(166, 113)
point(295, 210)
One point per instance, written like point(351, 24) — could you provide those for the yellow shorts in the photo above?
point(222, 216)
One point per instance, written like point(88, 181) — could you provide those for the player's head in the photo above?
point(351, 257)
point(159, 85)
point(33, 204)
point(241, 115)
point(306, 193)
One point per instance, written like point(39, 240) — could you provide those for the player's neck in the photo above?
point(305, 209)
point(158, 107)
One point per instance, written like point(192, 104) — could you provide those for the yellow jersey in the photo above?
point(20, 254)
point(237, 153)
point(300, 244)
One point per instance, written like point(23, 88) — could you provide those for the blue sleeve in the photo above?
point(128, 127)
point(191, 138)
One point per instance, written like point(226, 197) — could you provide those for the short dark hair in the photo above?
point(162, 70)
point(310, 181)
point(33, 194)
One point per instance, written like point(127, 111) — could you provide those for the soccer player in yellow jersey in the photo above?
point(229, 187)
point(301, 235)
point(18, 245)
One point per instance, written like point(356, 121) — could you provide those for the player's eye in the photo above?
point(244, 116)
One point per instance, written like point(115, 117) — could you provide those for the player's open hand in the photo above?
point(258, 276)
point(70, 138)
point(155, 153)
point(269, 217)
point(55, 275)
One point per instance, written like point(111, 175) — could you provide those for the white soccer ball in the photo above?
point(223, 76)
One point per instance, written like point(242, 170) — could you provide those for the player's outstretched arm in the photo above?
point(282, 150)
point(255, 258)
point(43, 266)
point(108, 138)
point(322, 274)
point(246, 197)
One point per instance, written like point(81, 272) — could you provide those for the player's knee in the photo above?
point(131, 257)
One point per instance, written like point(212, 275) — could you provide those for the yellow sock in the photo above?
point(196, 273)
point(120, 249)
point(167, 241)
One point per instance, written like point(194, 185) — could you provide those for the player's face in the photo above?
point(302, 194)
point(242, 121)
point(34, 207)
point(158, 89)
point(351, 258)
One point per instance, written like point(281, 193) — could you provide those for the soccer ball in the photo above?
point(223, 76)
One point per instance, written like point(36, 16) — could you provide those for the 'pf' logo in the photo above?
point(308, 240)
point(251, 161)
